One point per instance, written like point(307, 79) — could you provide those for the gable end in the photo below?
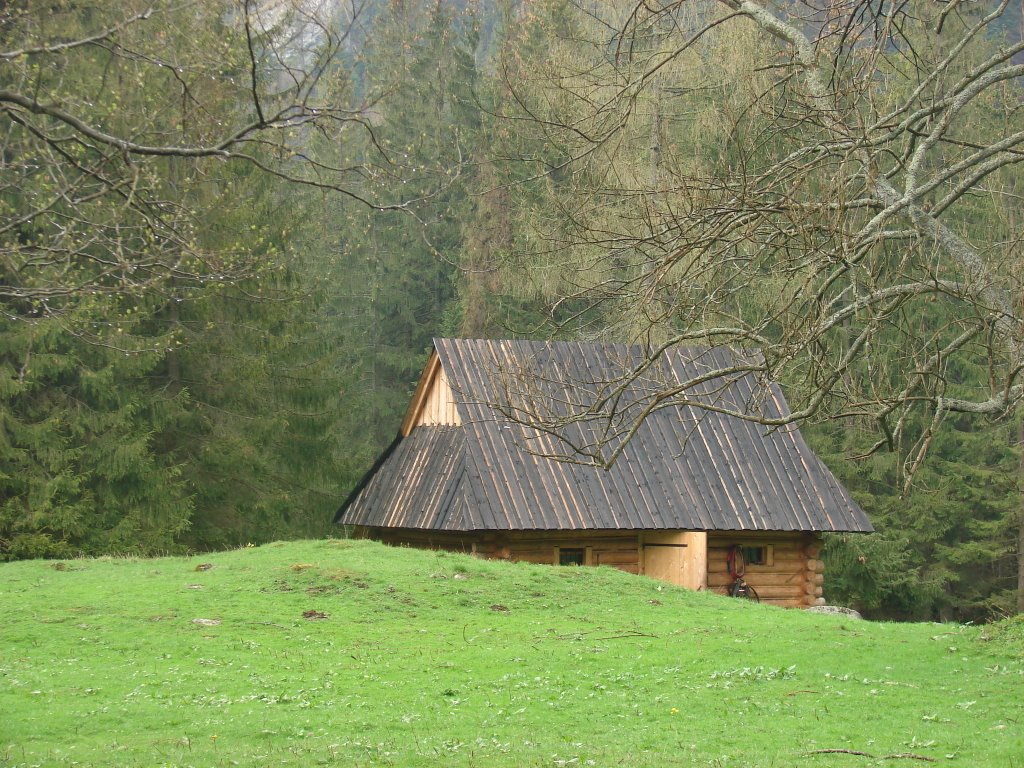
point(433, 403)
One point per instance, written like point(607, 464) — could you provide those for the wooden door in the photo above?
point(665, 562)
point(678, 557)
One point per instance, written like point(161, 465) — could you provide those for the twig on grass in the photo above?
point(895, 756)
point(579, 636)
point(270, 624)
point(908, 756)
point(632, 633)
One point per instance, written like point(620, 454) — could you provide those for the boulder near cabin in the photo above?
point(503, 450)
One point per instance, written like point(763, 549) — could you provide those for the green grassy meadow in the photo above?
point(422, 658)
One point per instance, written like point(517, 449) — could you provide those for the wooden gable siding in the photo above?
point(433, 402)
point(439, 407)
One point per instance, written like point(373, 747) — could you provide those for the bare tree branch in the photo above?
point(831, 205)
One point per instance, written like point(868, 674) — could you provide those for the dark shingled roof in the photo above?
point(684, 467)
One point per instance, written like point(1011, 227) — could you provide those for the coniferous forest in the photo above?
point(229, 231)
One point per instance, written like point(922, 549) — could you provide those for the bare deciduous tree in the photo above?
point(118, 122)
point(836, 184)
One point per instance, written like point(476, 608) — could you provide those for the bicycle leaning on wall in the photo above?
point(737, 569)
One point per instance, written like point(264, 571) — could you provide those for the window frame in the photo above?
point(586, 555)
point(768, 550)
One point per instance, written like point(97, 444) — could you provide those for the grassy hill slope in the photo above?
point(420, 658)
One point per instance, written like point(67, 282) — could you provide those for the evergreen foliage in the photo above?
point(195, 355)
point(164, 387)
point(81, 472)
point(946, 549)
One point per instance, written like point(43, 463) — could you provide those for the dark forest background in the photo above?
point(196, 353)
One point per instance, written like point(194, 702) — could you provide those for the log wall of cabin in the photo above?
point(617, 549)
point(793, 578)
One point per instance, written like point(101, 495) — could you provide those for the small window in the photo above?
point(756, 555)
point(572, 556)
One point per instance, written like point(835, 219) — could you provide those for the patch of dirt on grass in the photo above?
point(337, 574)
point(279, 585)
point(323, 589)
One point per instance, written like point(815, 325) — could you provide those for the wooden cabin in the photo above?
point(502, 454)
